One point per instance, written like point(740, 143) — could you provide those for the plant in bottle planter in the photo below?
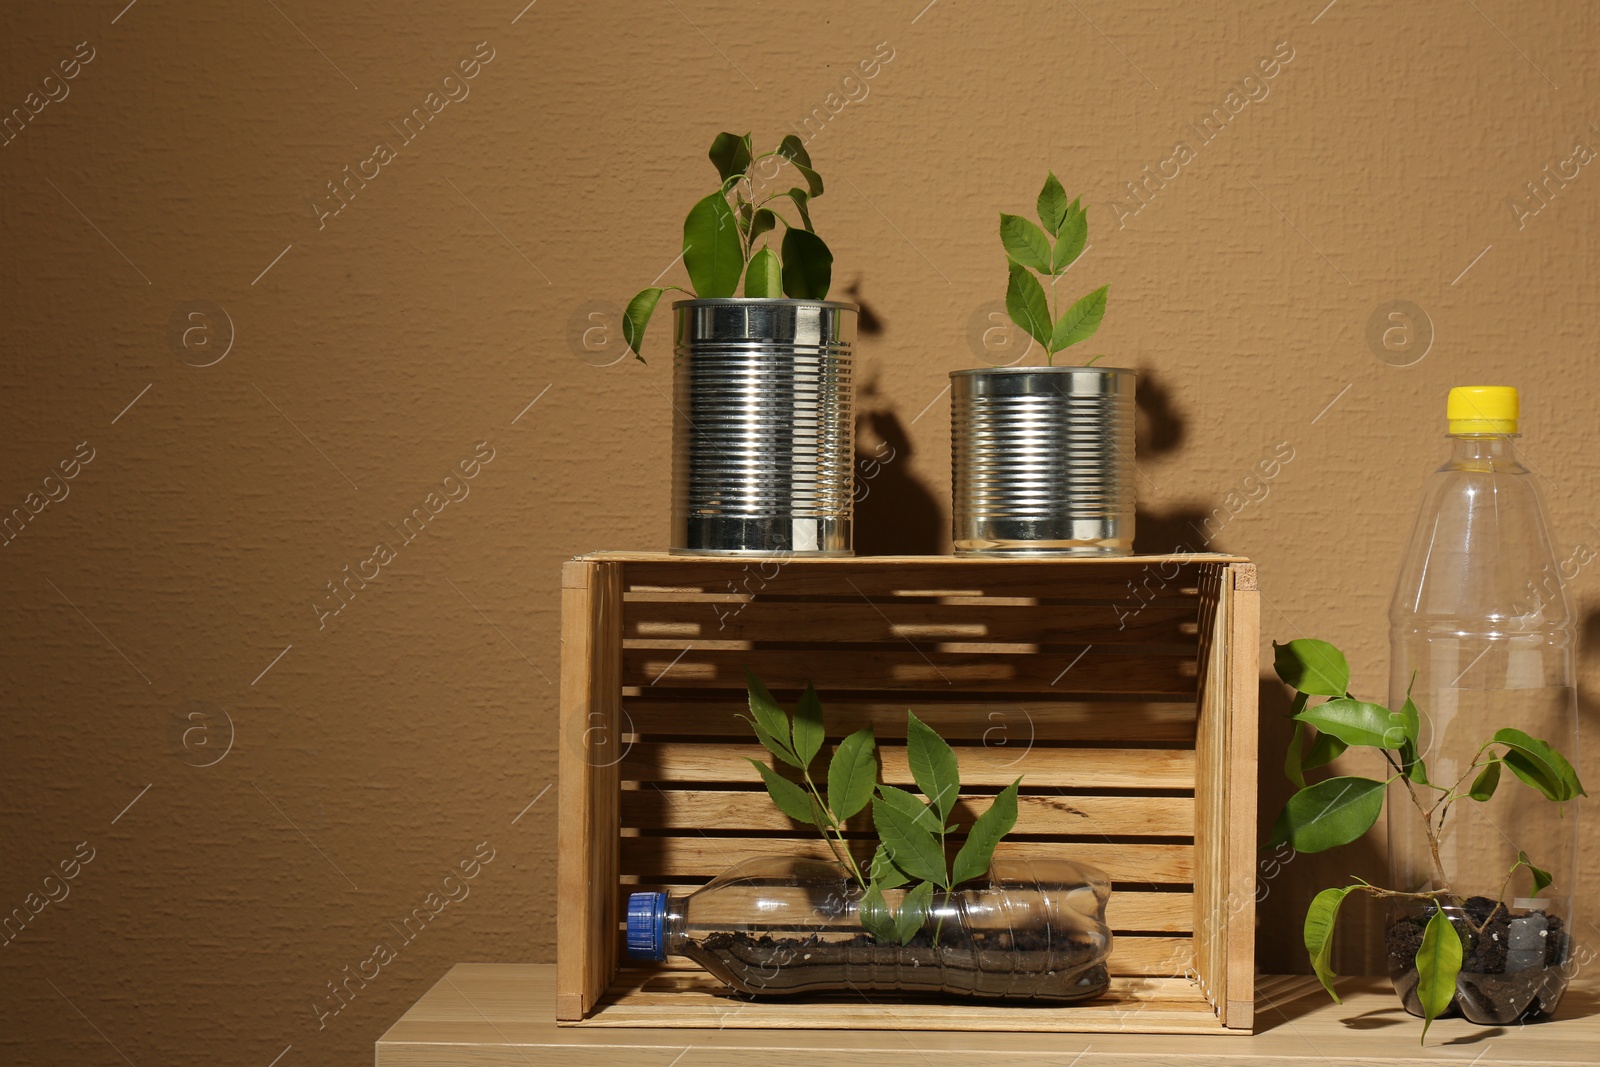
point(911, 831)
point(762, 382)
point(1479, 954)
point(1043, 456)
point(898, 914)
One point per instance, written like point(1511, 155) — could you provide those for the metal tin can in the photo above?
point(1042, 461)
point(763, 432)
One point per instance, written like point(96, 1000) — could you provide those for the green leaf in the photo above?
point(1541, 877)
point(1292, 765)
point(1356, 722)
point(1320, 918)
point(763, 221)
point(807, 265)
point(911, 807)
point(911, 848)
point(791, 799)
point(1312, 666)
point(851, 773)
point(1294, 758)
point(1540, 765)
point(1438, 964)
point(637, 317)
point(1333, 813)
point(913, 912)
point(874, 914)
point(1279, 834)
point(1069, 243)
point(1080, 321)
point(802, 204)
point(1026, 305)
point(1483, 786)
point(765, 275)
point(933, 765)
point(1411, 720)
point(1052, 205)
point(730, 154)
point(770, 723)
point(807, 726)
point(987, 830)
point(712, 253)
point(794, 150)
point(1324, 750)
point(1418, 772)
point(883, 871)
point(1025, 243)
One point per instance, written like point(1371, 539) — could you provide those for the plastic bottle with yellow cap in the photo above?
point(1482, 638)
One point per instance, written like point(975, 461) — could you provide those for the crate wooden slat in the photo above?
point(721, 809)
point(1062, 768)
point(1122, 690)
point(997, 723)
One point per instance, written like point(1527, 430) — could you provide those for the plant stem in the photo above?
point(1473, 765)
point(1055, 306)
point(841, 850)
point(1427, 824)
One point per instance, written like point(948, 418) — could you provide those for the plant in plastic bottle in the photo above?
point(901, 914)
point(912, 831)
point(1338, 810)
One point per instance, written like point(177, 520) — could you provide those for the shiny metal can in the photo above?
point(1042, 461)
point(763, 432)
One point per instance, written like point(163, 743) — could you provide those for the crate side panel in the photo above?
point(1211, 831)
point(589, 750)
point(1240, 771)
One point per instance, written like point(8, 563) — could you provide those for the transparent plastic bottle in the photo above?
point(1481, 622)
point(1034, 929)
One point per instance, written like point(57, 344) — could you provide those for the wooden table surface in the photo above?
point(502, 1015)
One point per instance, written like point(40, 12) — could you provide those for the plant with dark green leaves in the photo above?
point(913, 831)
point(1049, 249)
point(1338, 810)
point(728, 234)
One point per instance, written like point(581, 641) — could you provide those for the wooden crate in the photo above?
point(1124, 690)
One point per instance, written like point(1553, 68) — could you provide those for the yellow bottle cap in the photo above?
point(1482, 409)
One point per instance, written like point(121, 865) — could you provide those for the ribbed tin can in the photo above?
point(763, 432)
point(1042, 461)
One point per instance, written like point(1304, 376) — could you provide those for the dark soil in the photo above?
point(1000, 965)
point(1486, 992)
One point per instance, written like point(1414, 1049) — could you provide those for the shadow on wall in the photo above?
point(867, 322)
point(1286, 880)
point(1161, 430)
point(896, 514)
point(1588, 652)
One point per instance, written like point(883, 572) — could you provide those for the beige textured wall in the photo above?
point(171, 591)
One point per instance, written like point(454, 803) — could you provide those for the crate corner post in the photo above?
point(587, 819)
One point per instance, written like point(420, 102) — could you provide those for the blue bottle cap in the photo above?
point(647, 926)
